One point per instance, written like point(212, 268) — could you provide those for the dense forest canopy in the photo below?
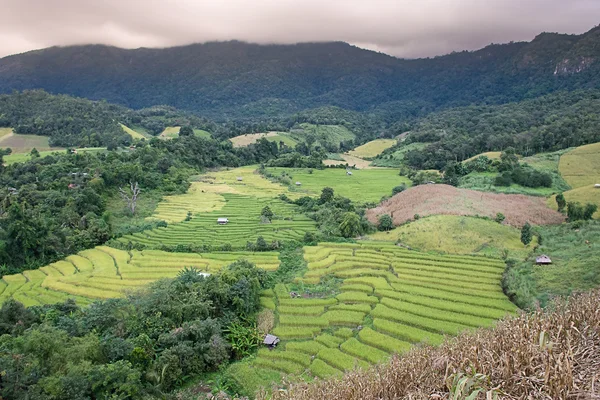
point(235, 80)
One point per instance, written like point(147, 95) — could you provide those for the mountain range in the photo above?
point(237, 80)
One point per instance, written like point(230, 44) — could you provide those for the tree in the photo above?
point(386, 223)
point(526, 234)
point(34, 153)
point(131, 197)
point(350, 225)
point(561, 202)
point(186, 131)
point(267, 213)
point(499, 218)
point(326, 195)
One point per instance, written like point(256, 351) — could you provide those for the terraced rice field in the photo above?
point(373, 148)
point(244, 225)
point(390, 300)
point(362, 186)
point(580, 168)
point(105, 272)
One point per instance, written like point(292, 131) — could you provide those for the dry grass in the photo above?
point(543, 355)
point(448, 200)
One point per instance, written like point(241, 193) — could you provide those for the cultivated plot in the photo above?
point(105, 272)
point(445, 199)
point(390, 300)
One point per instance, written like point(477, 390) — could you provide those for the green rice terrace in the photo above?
point(245, 224)
point(389, 299)
point(105, 272)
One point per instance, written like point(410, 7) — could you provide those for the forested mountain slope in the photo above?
point(235, 79)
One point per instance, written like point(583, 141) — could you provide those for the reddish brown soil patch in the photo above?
point(448, 200)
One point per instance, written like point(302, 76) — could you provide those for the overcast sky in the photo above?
point(404, 28)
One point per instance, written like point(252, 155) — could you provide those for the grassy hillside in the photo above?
point(323, 134)
point(372, 148)
point(459, 235)
point(367, 185)
point(134, 134)
point(580, 167)
point(400, 298)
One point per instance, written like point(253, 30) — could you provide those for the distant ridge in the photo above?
point(241, 80)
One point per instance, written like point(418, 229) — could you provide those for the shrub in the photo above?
point(499, 218)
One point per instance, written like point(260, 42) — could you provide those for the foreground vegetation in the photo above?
point(575, 252)
point(546, 354)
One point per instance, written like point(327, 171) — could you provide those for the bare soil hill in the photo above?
point(448, 200)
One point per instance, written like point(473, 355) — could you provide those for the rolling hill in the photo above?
point(242, 79)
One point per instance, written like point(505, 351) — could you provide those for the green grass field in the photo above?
point(399, 297)
point(458, 235)
point(367, 185)
point(105, 272)
point(580, 168)
point(372, 148)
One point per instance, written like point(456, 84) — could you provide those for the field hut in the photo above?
point(348, 172)
point(543, 260)
point(271, 341)
point(222, 221)
point(597, 185)
point(298, 183)
point(239, 179)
